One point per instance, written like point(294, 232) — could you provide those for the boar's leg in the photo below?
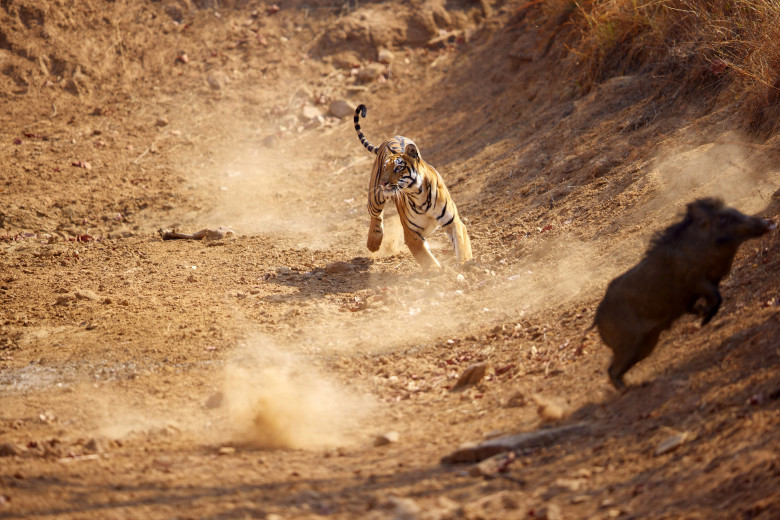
point(709, 291)
point(629, 356)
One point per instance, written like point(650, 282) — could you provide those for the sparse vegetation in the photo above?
point(718, 44)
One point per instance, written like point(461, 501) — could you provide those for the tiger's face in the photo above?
point(400, 171)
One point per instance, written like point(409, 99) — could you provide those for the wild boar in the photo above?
point(683, 265)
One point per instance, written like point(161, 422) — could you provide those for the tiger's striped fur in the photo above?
point(420, 196)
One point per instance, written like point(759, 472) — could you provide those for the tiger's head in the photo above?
point(401, 171)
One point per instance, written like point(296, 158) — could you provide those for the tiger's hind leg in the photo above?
point(456, 230)
point(375, 234)
point(420, 250)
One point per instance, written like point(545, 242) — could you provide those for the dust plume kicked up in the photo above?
point(277, 399)
point(723, 169)
point(262, 190)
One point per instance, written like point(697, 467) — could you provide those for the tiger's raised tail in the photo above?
point(361, 110)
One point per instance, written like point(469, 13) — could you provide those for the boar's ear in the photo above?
point(703, 211)
point(411, 151)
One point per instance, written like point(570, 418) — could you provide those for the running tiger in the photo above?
point(423, 201)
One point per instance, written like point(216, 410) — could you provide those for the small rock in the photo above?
point(583, 473)
point(401, 508)
point(563, 485)
point(607, 502)
point(385, 56)
point(493, 465)
point(517, 400)
point(217, 81)
point(65, 299)
point(339, 268)
point(215, 400)
point(288, 122)
point(470, 377)
point(310, 113)
point(340, 108)
point(161, 121)
point(370, 72)
point(386, 438)
point(175, 12)
point(9, 449)
point(270, 141)
point(96, 445)
point(83, 294)
point(226, 450)
point(548, 411)
point(345, 60)
point(671, 443)
point(548, 512)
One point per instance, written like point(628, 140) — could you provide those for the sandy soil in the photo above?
point(286, 372)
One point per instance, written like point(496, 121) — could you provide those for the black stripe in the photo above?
point(443, 212)
point(448, 223)
point(410, 221)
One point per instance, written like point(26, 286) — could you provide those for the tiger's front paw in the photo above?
point(374, 240)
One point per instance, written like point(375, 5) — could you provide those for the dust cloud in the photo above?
point(271, 398)
point(263, 190)
point(278, 399)
point(722, 169)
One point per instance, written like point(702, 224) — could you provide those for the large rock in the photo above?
point(535, 439)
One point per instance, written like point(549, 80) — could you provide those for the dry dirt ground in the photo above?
point(286, 372)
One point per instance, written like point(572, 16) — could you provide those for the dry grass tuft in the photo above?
point(710, 44)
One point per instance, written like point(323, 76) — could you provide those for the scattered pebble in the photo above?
point(370, 72)
point(96, 445)
point(400, 508)
point(671, 443)
point(548, 512)
point(339, 268)
point(548, 411)
point(385, 56)
point(310, 113)
point(386, 438)
point(470, 377)
point(493, 465)
point(215, 400)
point(9, 449)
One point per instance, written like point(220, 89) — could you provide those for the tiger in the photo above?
point(423, 202)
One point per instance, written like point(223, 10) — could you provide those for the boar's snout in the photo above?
point(734, 226)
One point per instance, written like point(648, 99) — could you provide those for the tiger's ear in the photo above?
point(411, 151)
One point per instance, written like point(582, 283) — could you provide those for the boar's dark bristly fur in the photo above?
point(683, 265)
